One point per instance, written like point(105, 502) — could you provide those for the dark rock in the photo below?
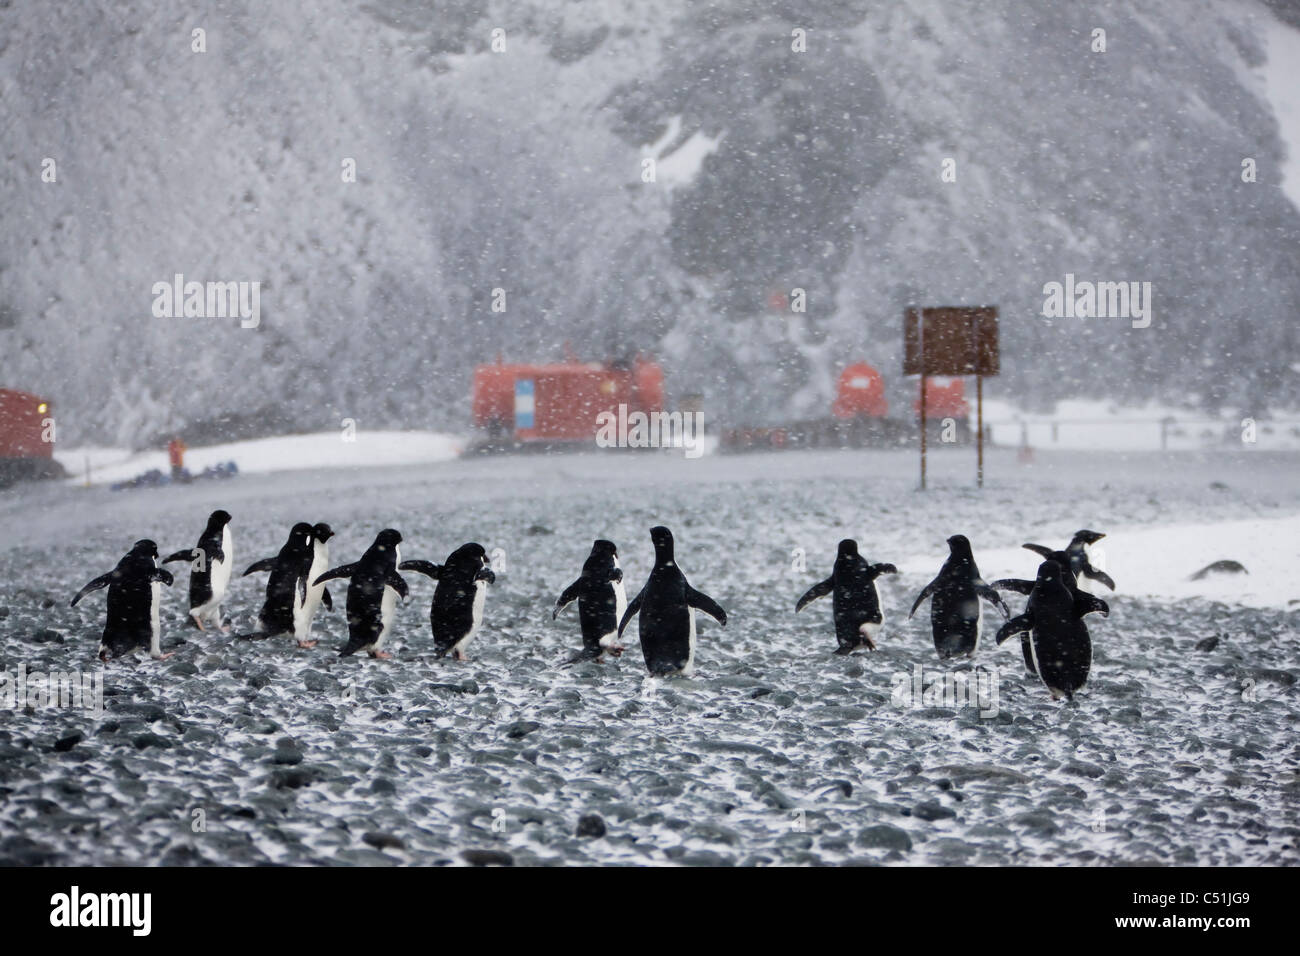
point(66, 743)
point(1207, 644)
point(1226, 566)
point(885, 837)
point(521, 728)
point(480, 857)
point(932, 811)
point(383, 841)
point(591, 825)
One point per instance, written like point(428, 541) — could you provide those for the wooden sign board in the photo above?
point(958, 340)
point(952, 340)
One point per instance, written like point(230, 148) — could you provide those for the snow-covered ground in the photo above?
point(362, 449)
point(1181, 749)
point(1158, 562)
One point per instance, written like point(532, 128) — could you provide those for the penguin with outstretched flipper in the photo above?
point(855, 602)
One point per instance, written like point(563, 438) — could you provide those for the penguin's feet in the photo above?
point(381, 655)
point(307, 645)
point(616, 649)
point(163, 657)
point(459, 655)
point(198, 622)
point(868, 643)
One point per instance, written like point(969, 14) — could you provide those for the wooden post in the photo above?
point(923, 416)
point(979, 414)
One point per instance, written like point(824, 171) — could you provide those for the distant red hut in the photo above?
point(25, 426)
point(560, 402)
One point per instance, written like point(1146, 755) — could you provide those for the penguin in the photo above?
point(956, 615)
point(1076, 559)
point(210, 565)
point(457, 609)
point(317, 594)
point(1058, 636)
point(134, 595)
point(855, 602)
point(601, 602)
point(666, 607)
point(287, 587)
point(1071, 577)
point(372, 594)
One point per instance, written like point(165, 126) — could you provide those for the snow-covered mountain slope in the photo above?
point(520, 169)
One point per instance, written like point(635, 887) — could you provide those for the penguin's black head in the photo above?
point(387, 539)
point(663, 542)
point(959, 545)
point(300, 533)
point(848, 548)
point(1088, 537)
point(601, 546)
point(218, 519)
point(1049, 572)
point(472, 555)
point(322, 532)
point(144, 548)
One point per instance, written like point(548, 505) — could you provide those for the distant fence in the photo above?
point(1147, 433)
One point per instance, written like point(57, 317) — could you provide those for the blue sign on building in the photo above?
point(523, 403)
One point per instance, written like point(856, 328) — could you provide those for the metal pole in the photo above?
point(979, 412)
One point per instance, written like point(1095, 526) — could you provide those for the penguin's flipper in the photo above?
point(925, 593)
point(993, 597)
point(103, 581)
point(398, 584)
point(564, 600)
point(189, 554)
point(1090, 572)
point(346, 571)
point(615, 575)
point(218, 554)
point(633, 606)
point(1017, 625)
point(488, 575)
point(266, 564)
point(160, 574)
point(879, 569)
point(820, 589)
point(1039, 549)
point(1085, 603)
point(702, 602)
point(427, 568)
point(1019, 585)
point(326, 599)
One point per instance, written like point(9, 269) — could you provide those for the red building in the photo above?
point(560, 402)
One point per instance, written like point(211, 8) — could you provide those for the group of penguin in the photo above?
point(1054, 637)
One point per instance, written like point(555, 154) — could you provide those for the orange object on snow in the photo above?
point(861, 392)
point(176, 453)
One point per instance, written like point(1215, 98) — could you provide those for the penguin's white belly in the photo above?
point(155, 600)
point(979, 627)
point(387, 612)
point(476, 616)
point(315, 592)
point(620, 608)
point(869, 629)
point(689, 669)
